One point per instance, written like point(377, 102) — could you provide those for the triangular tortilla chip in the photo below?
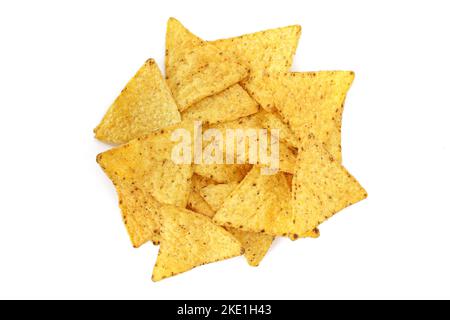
point(321, 187)
point(229, 105)
point(144, 175)
point(312, 102)
point(197, 204)
point(266, 51)
point(140, 214)
point(196, 69)
point(189, 240)
point(260, 204)
point(256, 245)
point(312, 234)
point(215, 195)
point(144, 106)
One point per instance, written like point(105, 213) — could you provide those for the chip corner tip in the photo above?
point(172, 20)
point(136, 245)
point(99, 158)
point(365, 194)
point(99, 133)
point(150, 61)
point(351, 75)
point(96, 130)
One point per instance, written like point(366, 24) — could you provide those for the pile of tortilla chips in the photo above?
point(200, 213)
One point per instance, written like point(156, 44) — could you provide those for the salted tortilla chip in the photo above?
point(144, 106)
point(144, 175)
point(140, 214)
point(312, 102)
point(197, 204)
point(196, 69)
point(256, 245)
point(260, 204)
point(189, 240)
point(215, 195)
point(229, 105)
point(262, 52)
point(321, 187)
point(222, 173)
point(314, 234)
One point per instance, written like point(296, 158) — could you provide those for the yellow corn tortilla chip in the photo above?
point(144, 106)
point(197, 204)
point(229, 105)
point(140, 214)
point(311, 234)
point(261, 204)
point(144, 176)
point(312, 102)
point(266, 51)
point(196, 69)
point(222, 173)
point(321, 187)
point(215, 195)
point(189, 240)
point(256, 245)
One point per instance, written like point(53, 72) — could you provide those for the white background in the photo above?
point(63, 62)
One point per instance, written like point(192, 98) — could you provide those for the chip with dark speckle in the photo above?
point(196, 69)
point(256, 245)
point(189, 240)
point(260, 204)
point(262, 52)
point(321, 187)
point(144, 105)
point(145, 176)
